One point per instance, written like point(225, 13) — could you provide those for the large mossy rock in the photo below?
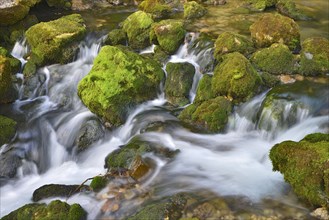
point(194, 10)
point(235, 78)
point(275, 28)
point(55, 190)
point(55, 41)
point(305, 167)
point(169, 34)
point(7, 92)
point(118, 80)
point(228, 42)
point(158, 8)
point(204, 92)
point(55, 210)
point(179, 82)
point(137, 27)
point(211, 115)
point(116, 37)
point(277, 59)
point(7, 129)
point(261, 5)
point(315, 57)
point(288, 8)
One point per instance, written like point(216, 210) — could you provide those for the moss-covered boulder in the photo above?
point(7, 92)
point(118, 80)
point(116, 37)
point(261, 5)
point(98, 183)
point(288, 8)
point(7, 128)
point(228, 42)
point(179, 82)
point(137, 27)
point(204, 92)
point(55, 210)
point(235, 78)
point(169, 34)
point(314, 59)
point(305, 167)
point(65, 4)
point(275, 28)
point(194, 10)
point(55, 41)
point(159, 9)
point(55, 190)
point(167, 208)
point(277, 59)
point(211, 115)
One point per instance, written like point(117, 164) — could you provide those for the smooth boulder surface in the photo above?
point(118, 80)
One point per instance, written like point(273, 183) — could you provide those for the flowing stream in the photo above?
point(233, 163)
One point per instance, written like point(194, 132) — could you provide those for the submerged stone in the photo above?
point(229, 42)
point(275, 28)
point(55, 41)
point(277, 59)
point(305, 167)
point(137, 27)
point(235, 78)
point(118, 80)
point(193, 10)
point(169, 34)
point(179, 82)
point(315, 57)
point(7, 128)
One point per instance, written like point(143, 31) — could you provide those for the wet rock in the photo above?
point(235, 78)
point(65, 4)
point(137, 27)
point(81, 5)
point(118, 80)
point(7, 128)
point(194, 10)
point(89, 133)
point(275, 28)
point(158, 8)
point(55, 41)
point(121, 2)
point(269, 80)
point(315, 57)
point(179, 82)
point(160, 55)
point(229, 42)
point(56, 190)
point(308, 177)
point(288, 8)
point(7, 92)
point(116, 37)
point(211, 115)
point(55, 210)
point(277, 59)
point(9, 162)
point(169, 34)
point(321, 213)
point(261, 5)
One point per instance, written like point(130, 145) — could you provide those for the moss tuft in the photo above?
point(98, 183)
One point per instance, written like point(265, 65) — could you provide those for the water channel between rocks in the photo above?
point(233, 164)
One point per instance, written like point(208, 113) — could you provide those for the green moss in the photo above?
point(55, 210)
point(169, 34)
point(211, 115)
point(137, 26)
point(269, 80)
point(229, 42)
point(306, 175)
point(55, 41)
point(3, 52)
point(158, 8)
point(29, 69)
point(119, 79)
point(12, 15)
point(315, 57)
point(276, 59)
point(193, 10)
point(54, 190)
point(288, 8)
point(204, 92)
point(275, 28)
point(7, 128)
point(7, 92)
point(116, 37)
point(261, 5)
point(179, 82)
point(98, 183)
point(65, 4)
point(235, 78)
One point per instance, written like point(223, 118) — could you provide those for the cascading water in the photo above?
point(234, 163)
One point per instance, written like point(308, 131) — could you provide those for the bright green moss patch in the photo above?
point(7, 92)
point(305, 166)
point(204, 92)
point(193, 10)
point(7, 128)
point(158, 8)
point(288, 8)
point(235, 78)
point(98, 183)
point(55, 41)
point(276, 59)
